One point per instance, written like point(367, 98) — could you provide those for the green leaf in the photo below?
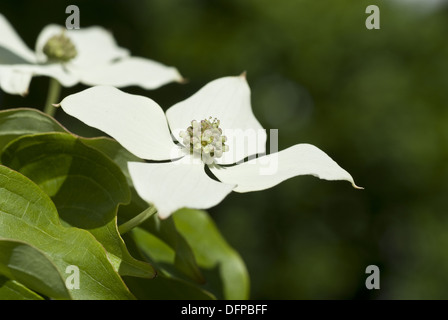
point(115, 152)
point(18, 122)
point(27, 265)
point(12, 290)
point(85, 185)
point(223, 267)
point(112, 149)
point(183, 257)
point(28, 215)
point(224, 271)
point(164, 286)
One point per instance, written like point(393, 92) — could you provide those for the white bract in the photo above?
point(209, 127)
point(88, 55)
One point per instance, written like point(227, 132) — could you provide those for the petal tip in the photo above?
point(243, 75)
point(183, 80)
point(24, 93)
point(164, 215)
point(357, 187)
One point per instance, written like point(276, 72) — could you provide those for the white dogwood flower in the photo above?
point(88, 55)
point(209, 128)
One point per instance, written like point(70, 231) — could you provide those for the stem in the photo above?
point(138, 219)
point(54, 91)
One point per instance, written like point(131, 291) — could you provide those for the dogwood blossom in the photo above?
point(89, 55)
point(219, 112)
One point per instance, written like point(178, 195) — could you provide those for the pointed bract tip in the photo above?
point(243, 75)
point(164, 216)
point(24, 93)
point(183, 80)
point(56, 105)
point(357, 187)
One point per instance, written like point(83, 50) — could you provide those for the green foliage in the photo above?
point(224, 272)
point(28, 215)
point(12, 290)
point(60, 199)
point(222, 265)
point(27, 265)
point(85, 186)
point(19, 122)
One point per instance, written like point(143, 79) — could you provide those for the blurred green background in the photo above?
point(374, 100)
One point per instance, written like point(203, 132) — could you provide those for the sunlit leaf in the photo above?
point(85, 185)
point(114, 151)
point(183, 259)
point(28, 215)
point(12, 290)
point(214, 255)
point(27, 265)
point(18, 122)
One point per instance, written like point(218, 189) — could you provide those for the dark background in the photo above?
point(374, 100)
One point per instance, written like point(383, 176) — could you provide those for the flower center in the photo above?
point(205, 138)
point(60, 48)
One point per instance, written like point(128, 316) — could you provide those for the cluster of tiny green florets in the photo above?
point(60, 48)
point(205, 138)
